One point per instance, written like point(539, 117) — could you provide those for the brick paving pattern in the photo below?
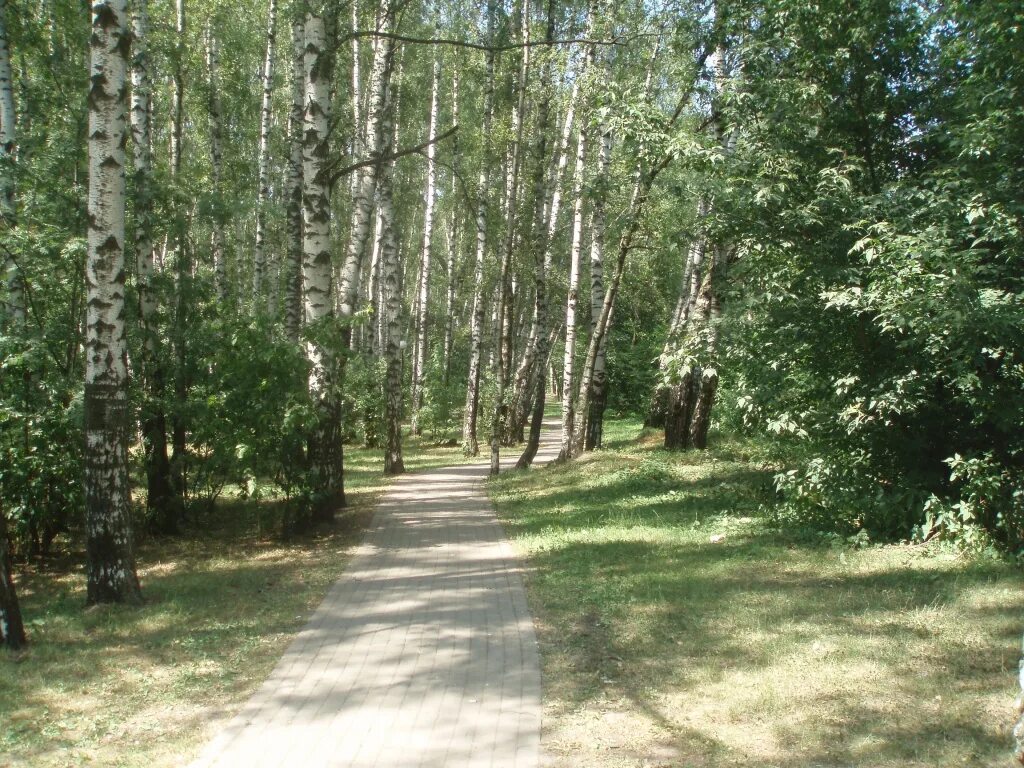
point(423, 654)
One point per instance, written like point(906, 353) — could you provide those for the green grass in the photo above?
point(119, 686)
point(666, 645)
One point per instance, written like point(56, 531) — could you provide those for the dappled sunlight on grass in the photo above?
point(678, 628)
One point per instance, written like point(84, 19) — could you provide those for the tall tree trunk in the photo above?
point(160, 501)
point(293, 187)
point(260, 269)
point(183, 264)
point(453, 240)
point(12, 628)
point(537, 417)
point(362, 203)
point(547, 201)
point(642, 184)
point(111, 561)
point(598, 393)
point(700, 320)
point(505, 296)
point(470, 445)
point(576, 249)
point(15, 303)
point(692, 271)
point(220, 272)
point(325, 449)
point(423, 289)
point(392, 307)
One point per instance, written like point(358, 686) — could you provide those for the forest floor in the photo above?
point(677, 628)
point(120, 686)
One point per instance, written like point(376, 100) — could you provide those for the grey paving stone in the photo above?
point(422, 655)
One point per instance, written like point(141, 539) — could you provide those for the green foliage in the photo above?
point(250, 411)
point(443, 401)
point(41, 447)
point(874, 319)
point(364, 400)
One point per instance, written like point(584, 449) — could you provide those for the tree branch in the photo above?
point(387, 158)
point(477, 46)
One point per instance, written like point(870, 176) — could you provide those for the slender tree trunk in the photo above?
point(547, 199)
point(325, 450)
point(598, 394)
point(183, 264)
point(453, 240)
point(470, 445)
point(362, 203)
point(293, 187)
point(111, 561)
point(160, 501)
point(505, 295)
point(537, 417)
point(576, 249)
point(391, 284)
point(423, 289)
point(15, 303)
point(263, 163)
point(220, 272)
point(692, 271)
point(700, 320)
point(12, 628)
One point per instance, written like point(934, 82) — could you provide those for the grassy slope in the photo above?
point(661, 648)
point(117, 686)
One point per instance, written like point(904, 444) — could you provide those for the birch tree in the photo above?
point(547, 206)
point(159, 495)
point(263, 162)
point(366, 184)
point(293, 186)
point(598, 223)
point(391, 307)
point(423, 288)
point(220, 275)
point(503, 348)
point(110, 557)
point(12, 628)
point(15, 303)
point(325, 451)
point(453, 240)
point(575, 254)
point(470, 445)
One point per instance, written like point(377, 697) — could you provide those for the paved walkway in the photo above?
point(423, 654)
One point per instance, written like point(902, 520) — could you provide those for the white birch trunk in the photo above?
point(470, 445)
point(453, 240)
point(503, 348)
point(362, 203)
point(325, 445)
point(15, 303)
point(591, 422)
point(423, 289)
point(293, 187)
point(392, 309)
point(575, 256)
point(159, 496)
point(220, 272)
point(263, 163)
point(111, 565)
point(547, 206)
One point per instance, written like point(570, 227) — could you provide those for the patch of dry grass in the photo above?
point(677, 629)
point(118, 686)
